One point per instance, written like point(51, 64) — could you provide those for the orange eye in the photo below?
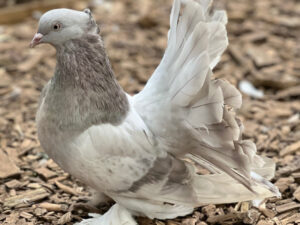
point(56, 26)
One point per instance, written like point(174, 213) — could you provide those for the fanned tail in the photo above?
point(183, 88)
point(219, 188)
point(196, 43)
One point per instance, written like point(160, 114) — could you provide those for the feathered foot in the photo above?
point(117, 215)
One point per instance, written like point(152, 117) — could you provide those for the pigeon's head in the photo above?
point(58, 26)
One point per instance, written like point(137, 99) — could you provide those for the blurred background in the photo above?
point(263, 61)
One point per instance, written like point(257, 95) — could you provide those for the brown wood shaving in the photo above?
point(26, 198)
point(53, 207)
point(66, 218)
point(66, 188)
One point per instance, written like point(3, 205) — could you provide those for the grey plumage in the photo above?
point(82, 75)
point(134, 149)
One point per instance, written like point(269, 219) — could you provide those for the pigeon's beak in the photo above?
point(36, 40)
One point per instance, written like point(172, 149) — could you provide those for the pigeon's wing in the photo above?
point(125, 159)
point(186, 110)
point(126, 162)
point(121, 157)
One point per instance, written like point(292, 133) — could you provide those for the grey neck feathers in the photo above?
point(84, 91)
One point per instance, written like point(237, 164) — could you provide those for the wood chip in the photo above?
point(66, 218)
point(189, 221)
point(53, 207)
point(172, 223)
point(296, 177)
point(7, 167)
point(26, 146)
point(209, 210)
point(284, 182)
point(236, 216)
point(245, 206)
point(255, 37)
point(241, 59)
point(292, 166)
point(286, 214)
point(264, 222)
point(17, 13)
point(26, 215)
point(277, 221)
point(292, 219)
point(288, 93)
point(13, 184)
point(31, 62)
point(287, 207)
point(290, 149)
point(45, 173)
point(26, 198)
point(66, 188)
point(34, 185)
point(40, 211)
point(251, 216)
point(266, 211)
point(263, 56)
point(296, 194)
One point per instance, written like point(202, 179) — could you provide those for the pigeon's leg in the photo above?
point(99, 199)
point(94, 203)
point(117, 215)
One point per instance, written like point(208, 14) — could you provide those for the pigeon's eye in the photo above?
point(56, 26)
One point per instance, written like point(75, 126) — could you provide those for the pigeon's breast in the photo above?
point(106, 157)
point(72, 152)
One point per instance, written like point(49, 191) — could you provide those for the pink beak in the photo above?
point(36, 40)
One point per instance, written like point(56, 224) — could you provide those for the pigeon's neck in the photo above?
point(84, 88)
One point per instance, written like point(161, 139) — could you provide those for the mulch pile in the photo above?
point(264, 50)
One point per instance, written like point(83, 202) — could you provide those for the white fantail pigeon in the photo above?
point(141, 150)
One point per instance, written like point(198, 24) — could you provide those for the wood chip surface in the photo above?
point(264, 49)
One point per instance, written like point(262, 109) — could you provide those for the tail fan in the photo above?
point(182, 92)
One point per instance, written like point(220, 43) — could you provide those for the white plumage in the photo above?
point(181, 115)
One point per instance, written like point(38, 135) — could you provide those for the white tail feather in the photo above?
point(181, 96)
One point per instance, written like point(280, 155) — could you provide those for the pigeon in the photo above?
point(142, 151)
